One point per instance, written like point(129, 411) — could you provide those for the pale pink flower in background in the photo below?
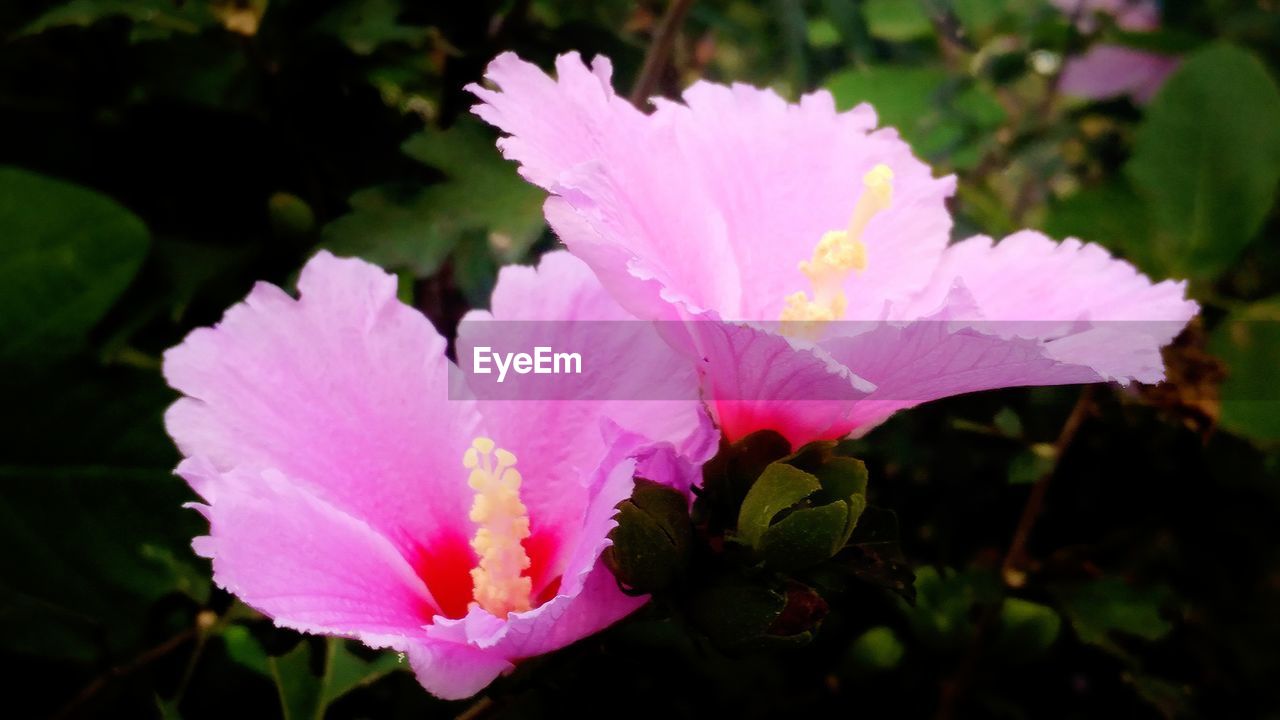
point(735, 209)
point(1106, 70)
point(348, 494)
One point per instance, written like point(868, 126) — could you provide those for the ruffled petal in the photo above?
point(454, 670)
point(781, 175)
point(344, 390)
point(308, 565)
point(1038, 287)
point(936, 357)
point(1026, 311)
point(711, 204)
point(756, 379)
point(556, 124)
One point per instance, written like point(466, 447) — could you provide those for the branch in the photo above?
point(658, 55)
point(1013, 569)
point(120, 671)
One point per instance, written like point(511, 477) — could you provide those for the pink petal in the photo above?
point(559, 441)
point(712, 204)
point(310, 566)
point(344, 391)
point(1028, 311)
point(1029, 277)
point(1106, 71)
point(452, 670)
point(756, 379)
point(914, 362)
point(588, 599)
point(571, 112)
point(780, 175)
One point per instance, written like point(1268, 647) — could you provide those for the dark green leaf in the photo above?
point(1248, 341)
point(482, 207)
point(736, 615)
point(1027, 629)
point(67, 255)
point(877, 649)
point(161, 17)
point(1098, 610)
point(1207, 166)
point(779, 487)
point(805, 537)
point(897, 20)
point(80, 594)
point(366, 26)
point(652, 539)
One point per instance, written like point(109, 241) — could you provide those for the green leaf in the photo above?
point(901, 96)
point(305, 695)
point(397, 228)
point(1248, 341)
point(807, 536)
point(67, 254)
point(78, 595)
point(1114, 216)
point(779, 487)
point(877, 649)
point(1027, 629)
point(1099, 609)
point(244, 648)
point(347, 671)
point(482, 197)
point(299, 688)
point(1031, 464)
point(1007, 422)
point(1207, 160)
point(652, 538)
point(366, 26)
point(897, 20)
point(735, 614)
point(943, 616)
point(160, 17)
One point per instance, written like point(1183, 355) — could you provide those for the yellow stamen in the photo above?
point(837, 254)
point(503, 523)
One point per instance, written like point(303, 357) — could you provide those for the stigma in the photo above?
point(502, 524)
point(837, 255)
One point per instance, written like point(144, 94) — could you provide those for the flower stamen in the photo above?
point(837, 254)
point(503, 524)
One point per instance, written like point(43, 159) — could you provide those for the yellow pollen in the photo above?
point(837, 254)
point(502, 524)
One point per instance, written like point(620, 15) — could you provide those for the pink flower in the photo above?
point(351, 490)
point(735, 210)
point(1106, 71)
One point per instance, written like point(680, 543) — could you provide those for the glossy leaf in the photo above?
point(1207, 160)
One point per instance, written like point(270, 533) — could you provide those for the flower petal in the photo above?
point(344, 390)
point(453, 670)
point(588, 599)
point(1106, 71)
point(572, 113)
point(712, 204)
point(756, 379)
point(1028, 311)
point(308, 565)
point(560, 440)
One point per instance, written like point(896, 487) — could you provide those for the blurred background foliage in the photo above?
point(159, 156)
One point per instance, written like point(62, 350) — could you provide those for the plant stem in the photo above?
point(659, 53)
